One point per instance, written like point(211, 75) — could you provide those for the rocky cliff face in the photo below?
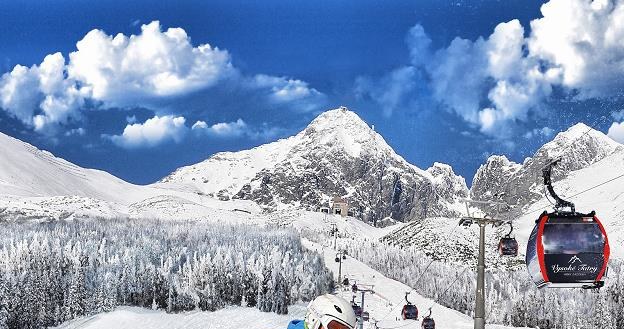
point(338, 154)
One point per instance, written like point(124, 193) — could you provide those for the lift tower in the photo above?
point(479, 318)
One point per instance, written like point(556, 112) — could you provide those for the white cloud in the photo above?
point(513, 83)
point(537, 132)
point(223, 129)
point(76, 131)
point(40, 94)
point(236, 129)
point(152, 69)
point(583, 39)
point(618, 115)
point(616, 132)
point(199, 125)
point(281, 90)
point(169, 128)
point(458, 76)
point(419, 45)
point(152, 132)
point(127, 71)
point(503, 79)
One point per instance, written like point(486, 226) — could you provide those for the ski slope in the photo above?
point(386, 303)
point(232, 317)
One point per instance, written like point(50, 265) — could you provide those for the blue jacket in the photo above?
point(296, 324)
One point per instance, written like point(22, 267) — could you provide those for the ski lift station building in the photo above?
point(340, 206)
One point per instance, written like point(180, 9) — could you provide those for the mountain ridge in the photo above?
point(337, 154)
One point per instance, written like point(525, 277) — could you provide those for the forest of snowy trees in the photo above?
point(53, 272)
point(512, 298)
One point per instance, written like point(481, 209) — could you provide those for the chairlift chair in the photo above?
point(357, 309)
point(567, 249)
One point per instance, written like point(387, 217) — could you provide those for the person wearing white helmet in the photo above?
point(327, 312)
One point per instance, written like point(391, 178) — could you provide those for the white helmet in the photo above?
point(330, 312)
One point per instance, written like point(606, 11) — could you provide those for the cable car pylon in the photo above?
point(479, 318)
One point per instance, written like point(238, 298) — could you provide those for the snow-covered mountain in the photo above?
point(520, 184)
point(588, 157)
point(34, 184)
point(337, 154)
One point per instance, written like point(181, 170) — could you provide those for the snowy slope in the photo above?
point(225, 173)
point(34, 184)
point(385, 305)
point(232, 317)
point(28, 171)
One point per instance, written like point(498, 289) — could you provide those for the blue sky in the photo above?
point(140, 88)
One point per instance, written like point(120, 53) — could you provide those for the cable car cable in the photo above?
point(579, 193)
point(595, 186)
point(447, 288)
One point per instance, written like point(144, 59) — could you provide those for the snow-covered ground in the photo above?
point(231, 317)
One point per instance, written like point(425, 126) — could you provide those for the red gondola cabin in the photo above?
point(568, 250)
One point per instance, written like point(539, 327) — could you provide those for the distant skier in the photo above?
point(327, 312)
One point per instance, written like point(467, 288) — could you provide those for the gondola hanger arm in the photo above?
point(546, 174)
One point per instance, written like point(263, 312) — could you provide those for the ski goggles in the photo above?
point(333, 324)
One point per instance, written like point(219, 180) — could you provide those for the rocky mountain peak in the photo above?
point(577, 147)
point(447, 181)
point(340, 117)
point(337, 154)
point(341, 130)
